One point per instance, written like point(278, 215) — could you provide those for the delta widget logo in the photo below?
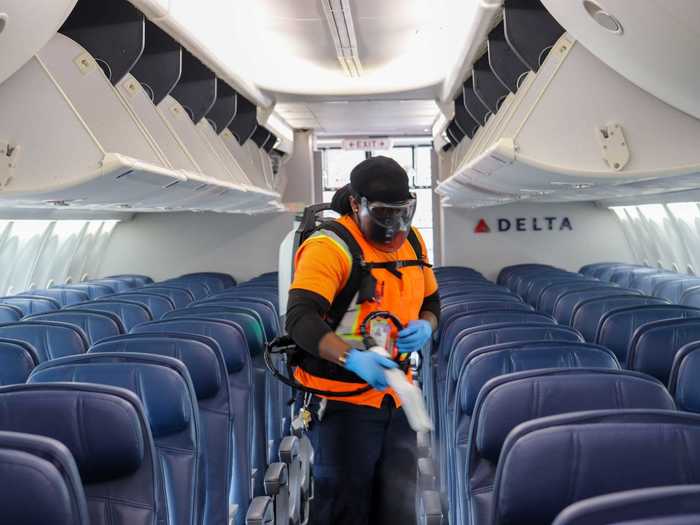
point(525, 224)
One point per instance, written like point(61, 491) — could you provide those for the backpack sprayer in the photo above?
point(410, 394)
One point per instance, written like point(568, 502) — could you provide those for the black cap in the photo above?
point(380, 179)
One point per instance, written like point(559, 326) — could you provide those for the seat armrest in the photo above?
point(289, 449)
point(429, 508)
point(275, 478)
point(423, 444)
point(260, 512)
point(427, 474)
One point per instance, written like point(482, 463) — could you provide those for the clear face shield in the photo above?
point(386, 224)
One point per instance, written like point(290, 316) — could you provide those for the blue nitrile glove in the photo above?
point(414, 336)
point(370, 367)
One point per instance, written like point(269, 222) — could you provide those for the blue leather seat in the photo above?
point(211, 284)
point(129, 313)
point(510, 400)
point(51, 340)
point(94, 290)
point(471, 287)
point(453, 311)
point(136, 279)
point(616, 328)
point(264, 309)
point(691, 297)
point(587, 454)
point(550, 295)
point(636, 507)
point(267, 295)
point(10, 313)
point(489, 362)
point(250, 448)
point(226, 280)
point(654, 345)
point(63, 296)
point(180, 297)
point(164, 388)
point(648, 282)
point(588, 269)
point(17, 360)
point(536, 286)
point(31, 305)
point(95, 324)
point(508, 271)
point(606, 274)
point(472, 339)
point(683, 380)
point(566, 303)
point(627, 277)
point(40, 482)
point(195, 286)
point(119, 471)
point(673, 289)
point(524, 282)
point(118, 284)
point(157, 304)
point(205, 362)
point(588, 313)
point(481, 295)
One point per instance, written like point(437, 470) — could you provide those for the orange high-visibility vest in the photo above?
point(323, 265)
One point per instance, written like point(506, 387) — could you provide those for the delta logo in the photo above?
point(525, 224)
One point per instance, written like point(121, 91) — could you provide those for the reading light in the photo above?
point(602, 17)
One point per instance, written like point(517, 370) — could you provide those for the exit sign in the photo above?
point(367, 143)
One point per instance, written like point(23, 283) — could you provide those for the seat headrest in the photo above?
point(161, 383)
point(96, 324)
point(588, 313)
point(654, 345)
point(492, 361)
point(17, 359)
point(586, 454)
point(40, 471)
point(227, 334)
point(511, 332)
point(631, 505)
point(103, 427)
point(49, 339)
point(683, 383)
point(199, 358)
point(506, 401)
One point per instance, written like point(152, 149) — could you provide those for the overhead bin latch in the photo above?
point(616, 154)
point(9, 158)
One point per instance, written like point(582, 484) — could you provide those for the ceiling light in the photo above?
point(339, 20)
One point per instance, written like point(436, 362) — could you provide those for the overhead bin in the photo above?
point(110, 147)
point(505, 64)
point(475, 107)
point(464, 120)
point(23, 33)
point(487, 87)
point(576, 131)
point(530, 30)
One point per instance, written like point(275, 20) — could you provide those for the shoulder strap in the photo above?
point(416, 245)
point(358, 270)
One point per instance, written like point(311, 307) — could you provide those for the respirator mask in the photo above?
point(386, 224)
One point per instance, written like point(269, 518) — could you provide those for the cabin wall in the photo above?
point(165, 245)
point(595, 235)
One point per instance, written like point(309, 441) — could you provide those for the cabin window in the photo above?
point(416, 160)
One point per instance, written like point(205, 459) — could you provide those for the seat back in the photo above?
point(647, 283)
point(226, 280)
point(655, 504)
point(673, 289)
point(118, 284)
point(615, 329)
point(231, 340)
point(205, 362)
point(510, 400)
point(63, 296)
point(94, 290)
point(31, 305)
point(566, 303)
point(95, 324)
point(50, 340)
point(691, 297)
point(627, 277)
point(587, 314)
point(180, 296)
point(587, 454)
point(43, 472)
point(118, 469)
point(10, 313)
point(550, 294)
point(534, 289)
point(157, 304)
point(195, 286)
point(135, 279)
point(129, 313)
point(163, 386)
point(683, 381)
point(654, 345)
point(265, 310)
point(17, 360)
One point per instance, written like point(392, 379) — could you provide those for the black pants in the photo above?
point(364, 466)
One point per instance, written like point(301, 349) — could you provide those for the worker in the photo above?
point(370, 259)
